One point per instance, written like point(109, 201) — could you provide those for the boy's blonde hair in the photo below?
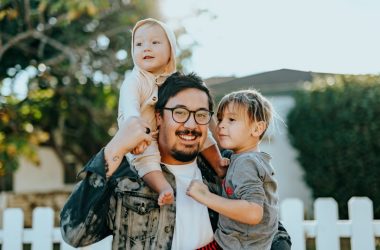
point(252, 103)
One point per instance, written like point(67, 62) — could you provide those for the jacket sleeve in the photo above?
point(84, 217)
point(281, 240)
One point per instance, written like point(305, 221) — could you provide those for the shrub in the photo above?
point(335, 127)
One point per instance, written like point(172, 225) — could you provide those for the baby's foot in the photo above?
point(166, 197)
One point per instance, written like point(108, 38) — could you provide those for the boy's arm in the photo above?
point(239, 210)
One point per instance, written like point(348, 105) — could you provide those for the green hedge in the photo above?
point(335, 126)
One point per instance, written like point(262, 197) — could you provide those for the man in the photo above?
point(123, 206)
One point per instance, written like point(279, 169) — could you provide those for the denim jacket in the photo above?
point(125, 207)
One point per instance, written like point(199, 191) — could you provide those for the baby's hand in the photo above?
point(198, 191)
point(140, 148)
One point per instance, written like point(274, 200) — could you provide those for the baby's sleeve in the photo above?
point(129, 99)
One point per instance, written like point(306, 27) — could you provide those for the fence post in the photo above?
point(292, 215)
point(360, 210)
point(13, 229)
point(43, 226)
point(326, 215)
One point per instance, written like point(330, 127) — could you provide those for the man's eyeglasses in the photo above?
point(181, 115)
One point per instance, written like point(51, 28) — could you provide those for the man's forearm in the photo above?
point(113, 155)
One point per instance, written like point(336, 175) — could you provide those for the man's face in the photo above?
point(180, 143)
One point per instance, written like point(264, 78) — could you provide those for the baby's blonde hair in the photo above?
point(253, 103)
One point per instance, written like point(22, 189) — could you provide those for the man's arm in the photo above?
point(281, 240)
point(84, 215)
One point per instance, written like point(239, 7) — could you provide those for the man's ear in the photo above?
point(158, 118)
point(258, 128)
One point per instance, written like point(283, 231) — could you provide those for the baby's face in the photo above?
point(151, 48)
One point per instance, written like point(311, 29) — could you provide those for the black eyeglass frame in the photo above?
point(190, 112)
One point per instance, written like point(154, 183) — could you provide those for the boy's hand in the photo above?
point(198, 191)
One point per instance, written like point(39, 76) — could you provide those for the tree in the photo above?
point(335, 128)
point(61, 66)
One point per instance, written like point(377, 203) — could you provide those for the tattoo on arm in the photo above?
point(114, 159)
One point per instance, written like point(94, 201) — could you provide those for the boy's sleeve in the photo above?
point(84, 217)
point(129, 98)
point(248, 180)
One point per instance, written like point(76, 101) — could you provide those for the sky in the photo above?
point(244, 37)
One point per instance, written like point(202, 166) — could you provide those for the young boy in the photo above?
point(248, 209)
point(153, 51)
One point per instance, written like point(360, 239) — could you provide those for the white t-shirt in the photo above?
point(193, 227)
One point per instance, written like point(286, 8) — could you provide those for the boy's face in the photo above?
point(235, 130)
point(151, 48)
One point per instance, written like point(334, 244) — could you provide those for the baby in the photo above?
point(153, 50)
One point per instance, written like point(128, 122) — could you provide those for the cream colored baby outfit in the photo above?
point(138, 96)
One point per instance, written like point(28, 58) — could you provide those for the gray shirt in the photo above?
point(250, 177)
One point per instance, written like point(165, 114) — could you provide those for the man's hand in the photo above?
point(131, 133)
point(140, 148)
point(198, 191)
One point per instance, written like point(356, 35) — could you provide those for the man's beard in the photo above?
point(183, 155)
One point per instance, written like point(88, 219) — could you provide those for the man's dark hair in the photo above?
point(178, 82)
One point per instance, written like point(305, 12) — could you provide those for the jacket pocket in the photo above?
point(140, 220)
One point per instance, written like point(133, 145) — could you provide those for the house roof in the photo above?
point(271, 82)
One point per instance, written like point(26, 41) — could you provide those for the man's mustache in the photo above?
point(188, 132)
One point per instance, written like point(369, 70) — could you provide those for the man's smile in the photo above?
point(188, 135)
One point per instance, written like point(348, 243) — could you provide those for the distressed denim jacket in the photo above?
point(125, 207)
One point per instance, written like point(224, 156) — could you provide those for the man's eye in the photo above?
point(156, 42)
point(201, 115)
point(138, 44)
point(180, 112)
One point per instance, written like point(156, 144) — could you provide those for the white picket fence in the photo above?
point(326, 228)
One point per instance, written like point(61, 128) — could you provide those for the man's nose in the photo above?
point(190, 123)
